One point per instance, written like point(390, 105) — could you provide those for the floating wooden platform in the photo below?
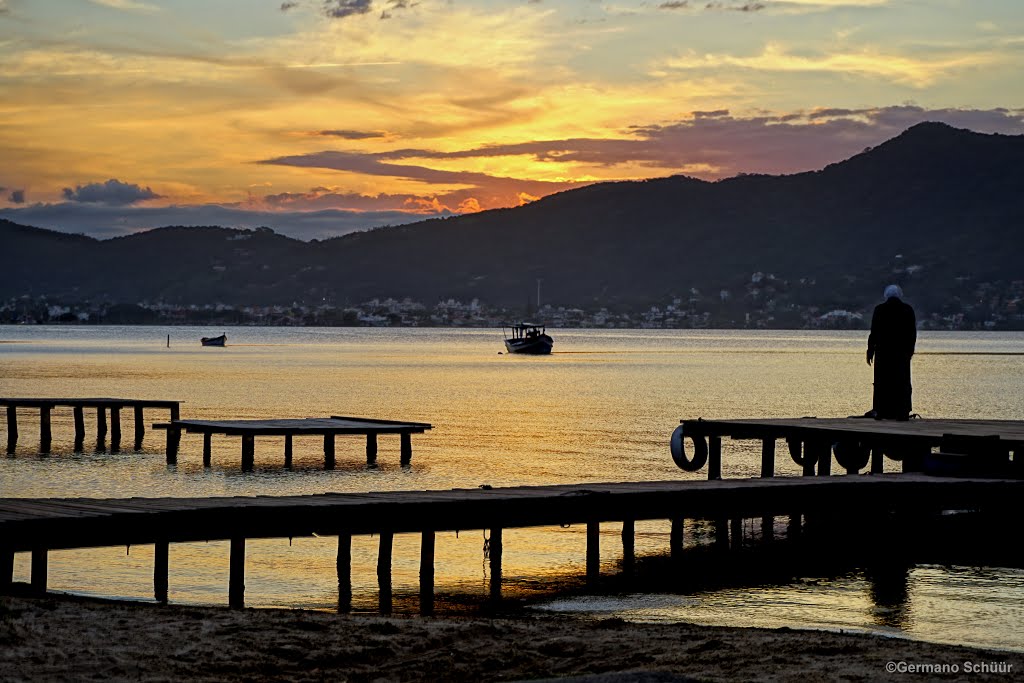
point(992, 447)
point(288, 428)
point(40, 525)
point(78, 405)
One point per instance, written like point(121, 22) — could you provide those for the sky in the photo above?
point(320, 117)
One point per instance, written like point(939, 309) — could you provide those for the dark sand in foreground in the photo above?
point(60, 638)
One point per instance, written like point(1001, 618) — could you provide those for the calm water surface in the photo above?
point(601, 408)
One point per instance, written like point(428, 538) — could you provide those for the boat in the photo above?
point(214, 341)
point(528, 338)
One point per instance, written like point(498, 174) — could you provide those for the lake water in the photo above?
point(601, 408)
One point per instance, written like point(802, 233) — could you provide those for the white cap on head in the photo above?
point(893, 291)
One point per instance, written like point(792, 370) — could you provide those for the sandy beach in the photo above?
point(70, 638)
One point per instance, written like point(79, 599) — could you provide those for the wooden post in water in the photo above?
point(161, 562)
point(38, 571)
point(12, 428)
point(329, 451)
point(593, 551)
point(45, 435)
point(6, 569)
point(810, 458)
point(236, 574)
point(208, 449)
point(767, 528)
point(768, 458)
point(115, 428)
point(736, 525)
point(714, 457)
point(406, 456)
point(675, 538)
point(248, 451)
point(288, 450)
point(722, 533)
point(101, 426)
point(427, 573)
point(628, 546)
point(495, 550)
point(140, 427)
point(825, 460)
point(877, 460)
point(793, 528)
point(344, 567)
point(173, 441)
point(79, 415)
point(371, 450)
point(384, 571)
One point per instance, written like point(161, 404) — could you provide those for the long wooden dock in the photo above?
point(41, 525)
point(329, 428)
point(983, 447)
point(78, 406)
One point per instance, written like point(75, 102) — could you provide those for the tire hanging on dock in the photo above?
point(851, 455)
point(700, 451)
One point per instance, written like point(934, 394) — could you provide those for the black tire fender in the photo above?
point(700, 451)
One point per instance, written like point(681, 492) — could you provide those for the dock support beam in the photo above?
point(371, 450)
point(6, 569)
point(38, 571)
point(768, 458)
point(236, 574)
point(248, 451)
point(12, 428)
point(79, 414)
point(427, 573)
point(207, 449)
point(628, 546)
point(344, 566)
point(101, 427)
point(406, 456)
point(675, 538)
point(495, 562)
point(714, 457)
point(115, 428)
point(161, 562)
point(384, 571)
point(288, 450)
point(593, 551)
point(140, 427)
point(329, 451)
point(45, 435)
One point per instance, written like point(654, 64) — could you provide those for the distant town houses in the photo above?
point(762, 302)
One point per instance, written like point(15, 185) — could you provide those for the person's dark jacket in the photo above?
point(893, 330)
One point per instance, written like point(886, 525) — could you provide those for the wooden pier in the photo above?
point(328, 428)
point(41, 525)
point(992, 448)
point(78, 405)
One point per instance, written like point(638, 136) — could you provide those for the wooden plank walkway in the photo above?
point(988, 447)
point(78, 405)
point(41, 525)
point(328, 427)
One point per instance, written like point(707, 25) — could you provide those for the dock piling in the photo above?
point(236, 574)
point(101, 425)
point(115, 429)
point(38, 571)
point(714, 457)
point(371, 449)
point(248, 451)
point(6, 569)
point(736, 532)
point(427, 572)
point(768, 457)
point(384, 571)
point(173, 441)
point(329, 451)
point(12, 428)
point(45, 434)
point(344, 568)
point(675, 538)
point(161, 561)
point(495, 550)
point(767, 529)
point(593, 551)
point(406, 456)
point(628, 546)
point(207, 449)
point(140, 427)
point(288, 450)
point(79, 414)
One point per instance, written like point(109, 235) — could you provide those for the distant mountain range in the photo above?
point(934, 207)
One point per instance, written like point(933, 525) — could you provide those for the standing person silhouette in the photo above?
point(890, 346)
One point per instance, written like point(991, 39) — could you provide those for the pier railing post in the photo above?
point(495, 550)
point(384, 571)
point(79, 415)
point(593, 551)
point(140, 427)
point(427, 572)
point(371, 449)
point(161, 561)
point(714, 457)
point(236, 574)
point(45, 435)
point(12, 428)
point(344, 568)
point(406, 456)
point(115, 428)
point(768, 457)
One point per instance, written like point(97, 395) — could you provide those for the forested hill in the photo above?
point(948, 202)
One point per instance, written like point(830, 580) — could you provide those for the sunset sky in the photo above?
point(317, 118)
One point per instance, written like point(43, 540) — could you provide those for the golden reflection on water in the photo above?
point(599, 409)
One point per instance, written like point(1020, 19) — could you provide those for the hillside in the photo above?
point(947, 201)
